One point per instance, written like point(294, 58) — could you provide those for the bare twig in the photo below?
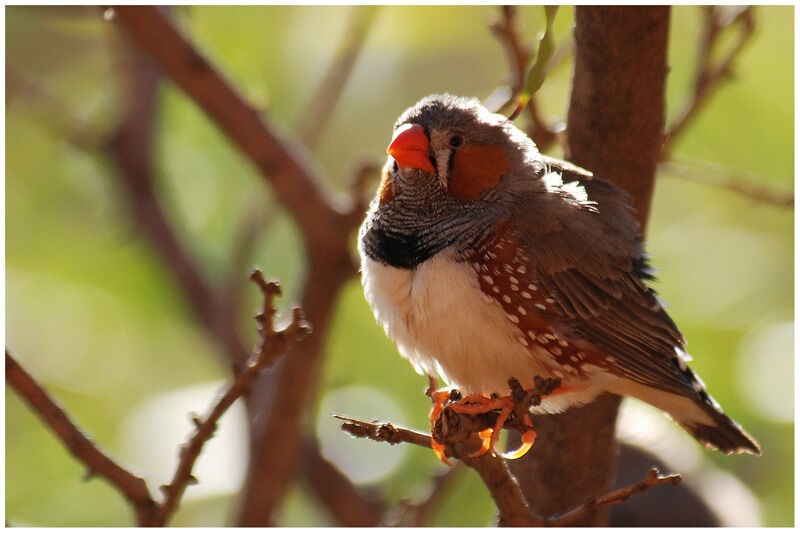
point(320, 108)
point(132, 487)
point(728, 179)
point(282, 396)
point(272, 344)
point(710, 74)
point(506, 30)
point(653, 479)
point(385, 432)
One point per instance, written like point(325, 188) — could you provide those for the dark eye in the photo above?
point(456, 141)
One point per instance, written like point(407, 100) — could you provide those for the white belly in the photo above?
point(443, 323)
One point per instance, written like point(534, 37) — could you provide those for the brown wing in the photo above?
point(585, 254)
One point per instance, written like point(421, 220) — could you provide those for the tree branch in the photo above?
point(280, 398)
point(131, 149)
point(506, 30)
point(272, 344)
point(710, 75)
point(322, 104)
point(615, 129)
point(282, 162)
point(348, 505)
point(132, 487)
point(728, 179)
point(511, 505)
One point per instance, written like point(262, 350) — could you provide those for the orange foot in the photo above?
point(475, 404)
point(478, 404)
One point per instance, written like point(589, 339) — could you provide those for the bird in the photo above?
point(485, 260)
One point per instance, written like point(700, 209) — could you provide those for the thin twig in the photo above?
point(385, 432)
point(506, 30)
point(282, 396)
point(132, 487)
point(653, 479)
point(322, 104)
point(728, 179)
point(271, 346)
point(710, 74)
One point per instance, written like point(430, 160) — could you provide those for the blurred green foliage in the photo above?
point(92, 312)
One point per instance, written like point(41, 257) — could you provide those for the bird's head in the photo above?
point(453, 147)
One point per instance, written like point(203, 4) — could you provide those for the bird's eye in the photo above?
point(456, 141)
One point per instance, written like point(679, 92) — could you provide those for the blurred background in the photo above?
point(92, 312)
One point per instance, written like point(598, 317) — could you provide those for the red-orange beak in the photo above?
point(409, 147)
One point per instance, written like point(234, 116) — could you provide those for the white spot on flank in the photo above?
point(521, 269)
point(512, 279)
point(522, 310)
point(549, 300)
point(532, 287)
point(492, 255)
point(541, 306)
point(488, 279)
point(523, 341)
point(563, 343)
point(550, 336)
point(574, 358)
point(507, 298)
point(531, 334)
point(508, 269)
point(526, 295)
point(513, 318)
point(611, 359)
point(558, 374)
point(542, 339)
point(514, 287)
point(496, 289)
point(682, 364)
point(555, 350)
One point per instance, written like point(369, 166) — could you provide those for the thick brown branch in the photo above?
point(348, 504)
point(709, 74)
point(98, 463)
point(283, 163)
point(511, 506)
point(281, 397)
point(615, 129)
point(322, 104)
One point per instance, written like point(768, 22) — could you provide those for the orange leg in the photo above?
point(439, 398)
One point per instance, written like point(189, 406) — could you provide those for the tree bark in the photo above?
point(615, 129)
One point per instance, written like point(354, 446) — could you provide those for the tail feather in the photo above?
point(698, 413)
point(724, 434)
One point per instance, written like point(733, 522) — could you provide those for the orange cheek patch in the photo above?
point(476, 168)
point(385, 190)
